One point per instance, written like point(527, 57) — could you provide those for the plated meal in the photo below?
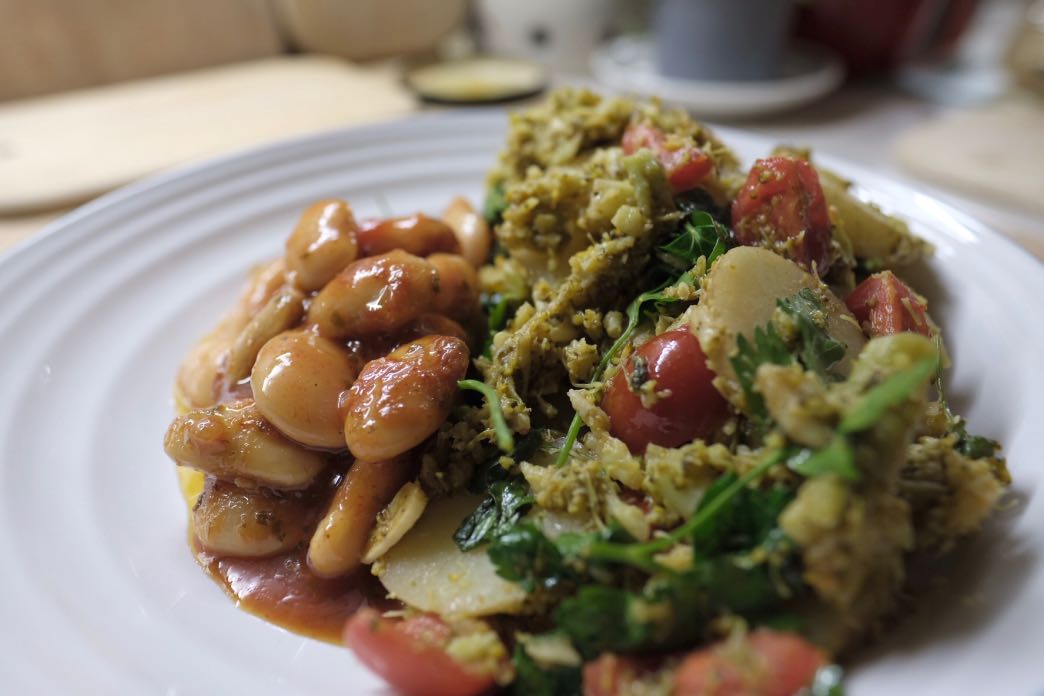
point(650, 422)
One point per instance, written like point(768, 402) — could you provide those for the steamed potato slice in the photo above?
point(426, 569)
point(740, 293)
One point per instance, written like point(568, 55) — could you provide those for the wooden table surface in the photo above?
point(168, 121)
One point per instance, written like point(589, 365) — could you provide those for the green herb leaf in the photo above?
point(744, 522)
point(530, 680)
point(495, 204)
point(701, 235)
point(600, 618)
point(895, 389)
point(498, 512)
point(767, 348)
point(524, 555)
point(816, 350)
point(504, 437)
point(836, 458)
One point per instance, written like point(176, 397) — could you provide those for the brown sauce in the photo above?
point(282, 590)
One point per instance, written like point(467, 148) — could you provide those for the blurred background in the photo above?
point(947, 94)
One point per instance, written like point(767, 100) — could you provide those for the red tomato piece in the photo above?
point(686, 167)
point(781, 206)
point(609, 675)
point(767, 663)
point(885, 305)
point(409, 655)
point(686, 404)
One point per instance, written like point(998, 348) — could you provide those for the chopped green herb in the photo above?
point(499, 511)
point(701, 235)
point(505, 440)
point(524, 555)
point(530, 680)
point(891, 392)
point(495, 204)
point(767, 348)
point(836, 458)
point(817, 351)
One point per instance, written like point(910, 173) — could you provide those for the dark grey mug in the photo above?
point(721, 39)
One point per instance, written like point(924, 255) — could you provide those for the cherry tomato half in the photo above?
point(409, 655)
point(781, 206)
point(684, 404)
point(886, 305)
point(686, 166)
point(767, 663)
point(611, 675)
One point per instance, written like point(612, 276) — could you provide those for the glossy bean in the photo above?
point(377, 295)
point(282, 311)
point(297, 381)
point(471, 229)
point(458, 293)
point(201, 374)
point(415, 234)
point(232, 521)
point(235, 443)
point(322, 244)
point(337, 546)
point(399, 400)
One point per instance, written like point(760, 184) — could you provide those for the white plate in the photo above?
point(626, 64)
point(98, 591)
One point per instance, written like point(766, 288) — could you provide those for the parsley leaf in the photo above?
point(498, 512)
point(837, 457)
point(530, 680)
point(701, 235)
point(767, 348)
point(895, 389)
point(817, 351)
point(495, 204)
point(523, 554)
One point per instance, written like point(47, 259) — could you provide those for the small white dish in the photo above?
point(627, 64)
point(99, 593)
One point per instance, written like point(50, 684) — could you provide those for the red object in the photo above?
point(781, 206)
point(686, 167)
point(692, 409)
point(885, 305)
point(767, 663)
point(610, 675)
point(876, 36)
point(409, 655)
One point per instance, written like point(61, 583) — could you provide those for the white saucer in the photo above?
point(627, 64)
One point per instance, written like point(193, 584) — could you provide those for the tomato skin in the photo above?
point(886, 305)
point(686, 167)
point(767, 663)
point(609, 675)
point(782, 206)
point(408, 655)
point(693, 409)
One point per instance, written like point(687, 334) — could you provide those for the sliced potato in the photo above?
point(740, 293)
point(427, 571)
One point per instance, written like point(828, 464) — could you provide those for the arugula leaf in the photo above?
point(817, 351)
point(701, 235)
point(505, 439)
point(530, 680)
point(495, 204)
point(498, 512)
point(837, 457)
point(895, 389)
point(827, 682)
point(523, 554)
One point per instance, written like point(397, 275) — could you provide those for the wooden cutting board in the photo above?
point(65, 149)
